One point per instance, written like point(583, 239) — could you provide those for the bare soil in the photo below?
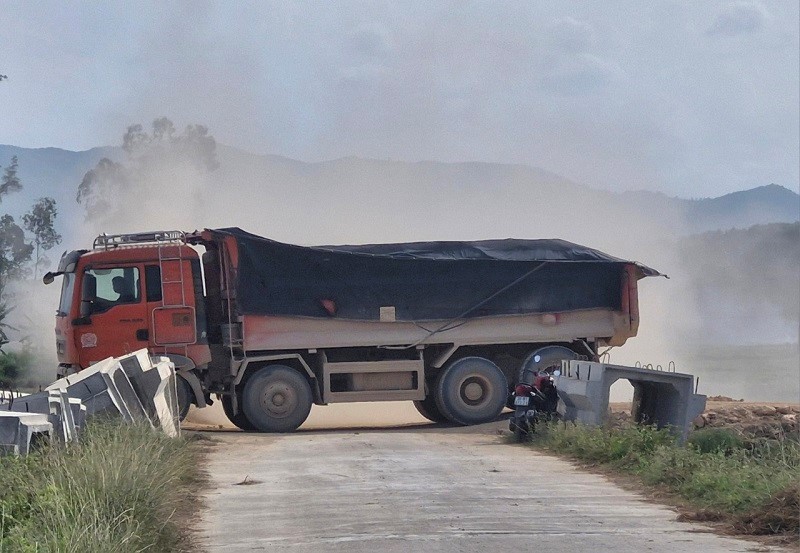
point(748, 419)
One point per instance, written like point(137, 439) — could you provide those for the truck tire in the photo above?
point(276, 399)
point(546, 359)
point(185, 396)
point(427, 408)
point(471, 390)
point(238, 419)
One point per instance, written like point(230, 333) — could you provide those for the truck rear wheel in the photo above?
point(427, 408)
point(472, 390)
point(276, 399)
point(238, 419)
point(546, 359)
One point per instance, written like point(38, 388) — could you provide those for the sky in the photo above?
point(693, 99)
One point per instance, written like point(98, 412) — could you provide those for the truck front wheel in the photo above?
point(238, 419)
point(472, 390)
point(185, 396)
point(276, 399)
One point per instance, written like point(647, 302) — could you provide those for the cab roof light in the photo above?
point(108, 241)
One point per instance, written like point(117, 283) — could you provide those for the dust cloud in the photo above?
point(33, 318)
point(713, 317)
point(384, 414)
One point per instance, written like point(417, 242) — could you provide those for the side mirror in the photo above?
point(49, 277)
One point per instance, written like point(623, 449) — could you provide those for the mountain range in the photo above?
point(437, 200)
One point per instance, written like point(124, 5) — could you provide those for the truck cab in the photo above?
point(133, 291)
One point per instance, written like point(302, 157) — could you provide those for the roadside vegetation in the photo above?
point(751, 485)
point(121, 488)
point(14, 368)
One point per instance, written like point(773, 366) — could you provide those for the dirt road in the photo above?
point(424, 489)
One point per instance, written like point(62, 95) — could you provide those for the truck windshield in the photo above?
point(67, 286)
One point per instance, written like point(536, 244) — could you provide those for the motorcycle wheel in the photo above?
point(519, 435)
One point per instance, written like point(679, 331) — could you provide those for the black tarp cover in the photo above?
point(424, 280)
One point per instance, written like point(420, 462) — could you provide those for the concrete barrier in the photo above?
point(19, 432)
point(135, 387)
point(154, 380)
point(104, 389)
point(663, 398)
point(55, 404)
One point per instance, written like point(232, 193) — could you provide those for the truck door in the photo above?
point(113, 314)
point(170, 304)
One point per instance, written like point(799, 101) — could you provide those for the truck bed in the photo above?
point(264, 333)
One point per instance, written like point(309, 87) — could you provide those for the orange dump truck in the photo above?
point(270, 328)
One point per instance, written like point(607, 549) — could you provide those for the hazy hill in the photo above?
point(759, 267)
point(436, 198)
point(50, 172)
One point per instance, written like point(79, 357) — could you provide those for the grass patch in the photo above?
point(117, 489)
point(753, 486)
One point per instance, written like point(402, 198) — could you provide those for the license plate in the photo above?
point(522, 400)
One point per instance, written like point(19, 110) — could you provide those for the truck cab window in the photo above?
point(152, 282)
point(116, 286)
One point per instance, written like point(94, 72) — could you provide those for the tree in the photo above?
point(158, 161)
point(5, 309)
point(15, 252)
point(193, 145)
point(3, 77)
point(10, 181)
point(40, 221)
point(100, 185)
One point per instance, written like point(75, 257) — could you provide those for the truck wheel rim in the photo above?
point(278, 399)
point(473, 390)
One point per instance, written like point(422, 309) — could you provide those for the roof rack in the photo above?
point(158, 237)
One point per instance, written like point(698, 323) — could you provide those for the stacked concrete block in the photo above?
point(56, 405)
point(78, 413)
point(155, 383)
point(135, 387)
point(663, 398)
point(19, 432)
point(104, 389)
point(62, 413)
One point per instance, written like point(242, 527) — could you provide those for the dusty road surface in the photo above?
point(423, 488)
